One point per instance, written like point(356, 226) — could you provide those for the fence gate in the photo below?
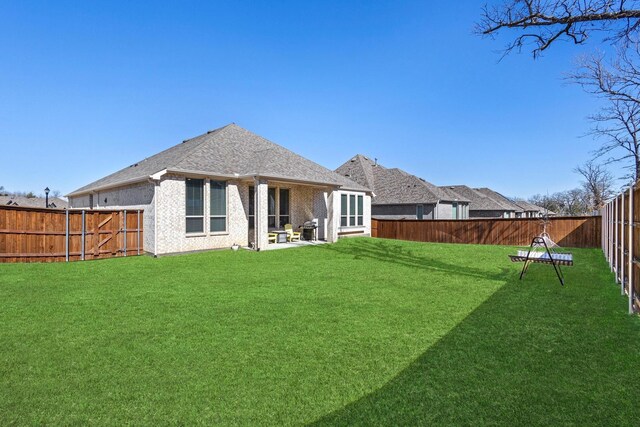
point(48, 235)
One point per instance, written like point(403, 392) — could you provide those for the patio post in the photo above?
point(333, 212)
point(261, 213)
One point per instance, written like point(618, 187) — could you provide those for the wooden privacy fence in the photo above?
point(48, 235)
point(621, 242)
point(576, 232)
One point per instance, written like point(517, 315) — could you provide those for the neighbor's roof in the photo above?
point(528, 207)
point(480, 201)
point(393, 186)
point(227, 151)
point(500, 198)
point(32, 202)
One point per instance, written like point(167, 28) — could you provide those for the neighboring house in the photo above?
point(519, 211)
point(33, 202)
point(530, 210)
point(229, 186)
point(399, 195)
point(483, 206)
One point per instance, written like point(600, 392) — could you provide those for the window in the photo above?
point(195, 205)
point(218, 207)
point(252, 208)
point(343, 210)
point(272, 208)
point(284, 207)
point(420, 212)
point(454, 210)
point(351, 210)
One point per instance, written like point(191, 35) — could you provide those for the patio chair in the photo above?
point(292, 236)
point(273, 237)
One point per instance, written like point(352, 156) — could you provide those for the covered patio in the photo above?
point(301, 206)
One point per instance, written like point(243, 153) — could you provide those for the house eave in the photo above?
point(109, 186)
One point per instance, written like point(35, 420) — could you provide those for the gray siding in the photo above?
point(400, 211)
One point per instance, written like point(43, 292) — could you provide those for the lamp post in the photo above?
point(46, 194)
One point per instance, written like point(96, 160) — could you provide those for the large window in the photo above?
point(351, 210)
point(454, 210)
point(195, 205)
point(343, 210)
point(271, 208)
point(218, 207)
point(284, 217)
point(252, 207)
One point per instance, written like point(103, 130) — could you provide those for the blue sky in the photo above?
point(87, 88)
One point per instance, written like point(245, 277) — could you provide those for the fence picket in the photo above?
point(49, 235)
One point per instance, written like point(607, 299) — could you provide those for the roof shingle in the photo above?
point(227, 151)
point(393, 186)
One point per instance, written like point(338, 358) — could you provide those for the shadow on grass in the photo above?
point(397, 253)
point(534, 353)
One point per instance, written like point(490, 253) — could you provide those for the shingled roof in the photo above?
point(393, 186)
point(480, 201)
point(228, 151)
point(32, 202)
point(528, 207)
point(500, 198)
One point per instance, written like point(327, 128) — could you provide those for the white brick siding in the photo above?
point(172, 235)
point(165, 230)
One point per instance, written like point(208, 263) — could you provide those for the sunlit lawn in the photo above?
point(365, 331)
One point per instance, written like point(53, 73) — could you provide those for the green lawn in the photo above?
point(365, 331)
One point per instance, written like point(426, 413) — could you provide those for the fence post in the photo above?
point(83, 237)
point(610, 235)
point(66, 235)
point(622, 244)
point(138, 231)
point(616, 237)
point(125, 232)
point(630, 243)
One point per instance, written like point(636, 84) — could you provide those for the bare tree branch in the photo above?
point(547, 21)
point(597, 184)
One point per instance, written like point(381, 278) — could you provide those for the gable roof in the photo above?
point(32, 202)
point(480, 201)
point(528, 207)
point(393, 186)
point(229, 151)
point(500, 198)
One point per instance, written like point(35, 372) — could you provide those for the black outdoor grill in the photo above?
point(309, 230)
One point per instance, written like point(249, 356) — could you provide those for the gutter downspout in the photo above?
point(436, 209)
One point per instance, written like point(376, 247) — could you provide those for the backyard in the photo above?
point(364, 331)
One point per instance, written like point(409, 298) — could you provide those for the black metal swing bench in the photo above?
point(544, 257)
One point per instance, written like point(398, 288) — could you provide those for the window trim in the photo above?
point(226, 209)
point(356, 215)
point(279, 215)
point(201, 232)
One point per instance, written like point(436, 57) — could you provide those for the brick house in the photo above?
point(400, 195)
point(229, 186)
